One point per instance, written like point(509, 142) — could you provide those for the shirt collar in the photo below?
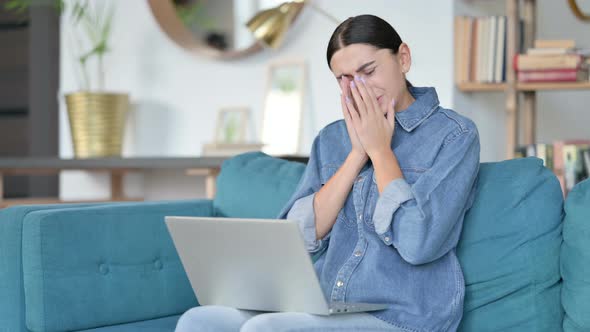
point(426, 102)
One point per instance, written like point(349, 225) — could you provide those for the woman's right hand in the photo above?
point(357, 147)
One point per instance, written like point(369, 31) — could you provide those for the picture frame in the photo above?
point(283, 106)
point(232, 125)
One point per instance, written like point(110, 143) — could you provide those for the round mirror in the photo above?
point(215, 28)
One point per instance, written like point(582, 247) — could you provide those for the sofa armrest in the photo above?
point(12, 301)
point(95, 266)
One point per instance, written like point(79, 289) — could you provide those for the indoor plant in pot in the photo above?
point(97, 118)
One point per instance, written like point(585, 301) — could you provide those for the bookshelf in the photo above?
point(553, 86)
point(519, 98)
point(482, 87)
point(478, 87)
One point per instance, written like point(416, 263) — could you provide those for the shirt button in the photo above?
point(386, 239)
point(357, 253)
point(360, 217)
point(339, 283)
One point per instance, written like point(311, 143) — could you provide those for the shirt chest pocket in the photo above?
point(411, 175)
point(347, 212)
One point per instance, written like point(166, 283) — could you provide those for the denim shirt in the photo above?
point(397, 247)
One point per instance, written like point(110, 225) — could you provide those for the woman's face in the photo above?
point(383, 71)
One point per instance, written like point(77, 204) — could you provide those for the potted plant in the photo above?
point(97, 118)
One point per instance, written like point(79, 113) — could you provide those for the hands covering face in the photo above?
point(370, 125)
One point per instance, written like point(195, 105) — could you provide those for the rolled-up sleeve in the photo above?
point(300, 206)
point(424, 221)
point(303, 212)
point(397, 192)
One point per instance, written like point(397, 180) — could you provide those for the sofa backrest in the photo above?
point(255, 185)
point(575, 259)
point(509, 249)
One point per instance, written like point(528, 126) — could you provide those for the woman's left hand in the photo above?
point(374, 127)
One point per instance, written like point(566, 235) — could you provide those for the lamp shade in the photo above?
point(270, 26)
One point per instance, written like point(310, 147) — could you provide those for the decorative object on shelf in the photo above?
point(97, 123)
point(270, 26)
point(97, 118)
point(577, 11)
point(230, 133)
point(283, 107)
point(232, 124)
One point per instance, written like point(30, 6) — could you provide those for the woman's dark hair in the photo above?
point(364, 29)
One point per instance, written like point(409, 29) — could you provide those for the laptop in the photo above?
point(253, 264)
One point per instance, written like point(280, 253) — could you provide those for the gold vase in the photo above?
point(97, 123)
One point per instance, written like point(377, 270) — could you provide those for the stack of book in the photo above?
point(480, 49)
point(569, 160)
point(552, 61)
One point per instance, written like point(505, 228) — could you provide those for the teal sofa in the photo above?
point(113, 267)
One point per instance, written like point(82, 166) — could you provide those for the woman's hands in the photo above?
point(372, 126)
point(357, 147)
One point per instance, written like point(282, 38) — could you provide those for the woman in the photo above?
point(382, 199)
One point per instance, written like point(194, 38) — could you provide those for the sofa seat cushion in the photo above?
point(509, 249)
point(166, 324)
point(575, 259)
point(255, 185)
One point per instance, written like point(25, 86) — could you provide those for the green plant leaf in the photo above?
point(17, 6)
point(79, 11)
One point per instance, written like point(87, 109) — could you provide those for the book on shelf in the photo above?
point(552, 75)
point(546, 62)
point(586, 158)
point(480, 49)
point(550, 51)
point(554, 43)
point(540, 150)
point(552, 61)
point(549, 47)
point(569, 160)
point(584, 52)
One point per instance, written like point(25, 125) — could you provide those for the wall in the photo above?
point(175, 95)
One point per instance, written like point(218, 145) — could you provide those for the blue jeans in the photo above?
point(226, 319)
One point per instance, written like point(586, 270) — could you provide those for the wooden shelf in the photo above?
point(476, 86)
point(553, 86)
point(484, 87)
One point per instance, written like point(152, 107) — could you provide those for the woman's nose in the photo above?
point(344, 84)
